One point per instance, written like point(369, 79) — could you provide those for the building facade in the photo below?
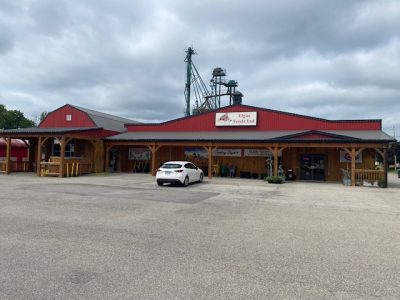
point(252, 141)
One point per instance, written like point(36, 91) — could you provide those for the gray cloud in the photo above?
point(330, 59)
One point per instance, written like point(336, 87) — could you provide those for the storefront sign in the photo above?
point(139, 154)
point(346, 157)
point(195, 153)
point(236, 119)
point(227, 152)
point(257, 152)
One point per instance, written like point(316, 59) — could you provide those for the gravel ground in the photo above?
point(123, 237)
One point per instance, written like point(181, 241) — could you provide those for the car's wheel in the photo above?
point(159, 183)
point(186, 182)
point(201, 177)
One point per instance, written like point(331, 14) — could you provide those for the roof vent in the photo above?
point(237, 98)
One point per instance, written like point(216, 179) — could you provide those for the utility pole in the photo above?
point(395, 149)
point(188, 60)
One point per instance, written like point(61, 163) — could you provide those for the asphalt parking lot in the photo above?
point(123, 237)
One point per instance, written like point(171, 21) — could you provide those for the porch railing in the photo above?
point(77, 168)
point(370, 177)
point(71, 168)
point(20, 166)
point(49, 168)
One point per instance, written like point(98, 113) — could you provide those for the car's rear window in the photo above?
point(171, 166)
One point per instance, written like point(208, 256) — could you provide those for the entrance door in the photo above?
point(312, 167)
point(114, 159)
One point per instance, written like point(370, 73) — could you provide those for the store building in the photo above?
point(250, 140)
point(257, 141)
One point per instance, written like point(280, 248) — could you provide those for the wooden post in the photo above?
point(353, 166)
point(276, 158)
point(210, 150)
point(385, 166)
point(32, 152)
point(107, 162)
point(8, 156)
point(62, 156)
point(39, 155)
point(153, 149)
point(153, 160)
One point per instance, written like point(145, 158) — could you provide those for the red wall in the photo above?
point(18, 152)
point(57, 118)
point(266, 120)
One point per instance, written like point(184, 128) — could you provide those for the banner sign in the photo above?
point(236, 119)
point(227, 152)
point(195, 153)
point(139, 154)
point(257, 152)
point(346, 157)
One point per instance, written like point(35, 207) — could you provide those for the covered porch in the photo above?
point(55, 152)
point(255, 159)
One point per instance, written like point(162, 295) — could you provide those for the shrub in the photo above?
point(274, 179)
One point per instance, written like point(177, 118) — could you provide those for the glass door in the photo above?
point(312, 167)
point(114, 159)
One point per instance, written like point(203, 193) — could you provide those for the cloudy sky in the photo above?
point(330, 59)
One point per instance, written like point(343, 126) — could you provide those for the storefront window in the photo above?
point(69, 149)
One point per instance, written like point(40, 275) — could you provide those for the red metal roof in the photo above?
point(69, 116)
point(267, 120)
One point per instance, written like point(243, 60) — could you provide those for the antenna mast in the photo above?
point(188, 60)
point(206, 100)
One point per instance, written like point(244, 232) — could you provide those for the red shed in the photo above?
point(67, 142)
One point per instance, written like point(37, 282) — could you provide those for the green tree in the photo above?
point(12, 119)
point(42, 116)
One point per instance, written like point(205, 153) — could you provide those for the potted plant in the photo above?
point(346, 177)
point(274, 179)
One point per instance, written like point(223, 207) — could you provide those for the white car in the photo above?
point(182, 172)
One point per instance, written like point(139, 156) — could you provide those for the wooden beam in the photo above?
point(68, 140)
point(8, 156)
point(62, 155)
point(353, 166)
point(280, 152)
point(39, 155)
point(153, 148)
point(359, 151)
point(382, 154)
point(107, 158)
point(255, 144)
point(347, 150)
point(210, 151)
point(153, 160)
point(43, 140)
point(276, 158)
point(81, 137)
point(385, 166)
point(27, 144)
